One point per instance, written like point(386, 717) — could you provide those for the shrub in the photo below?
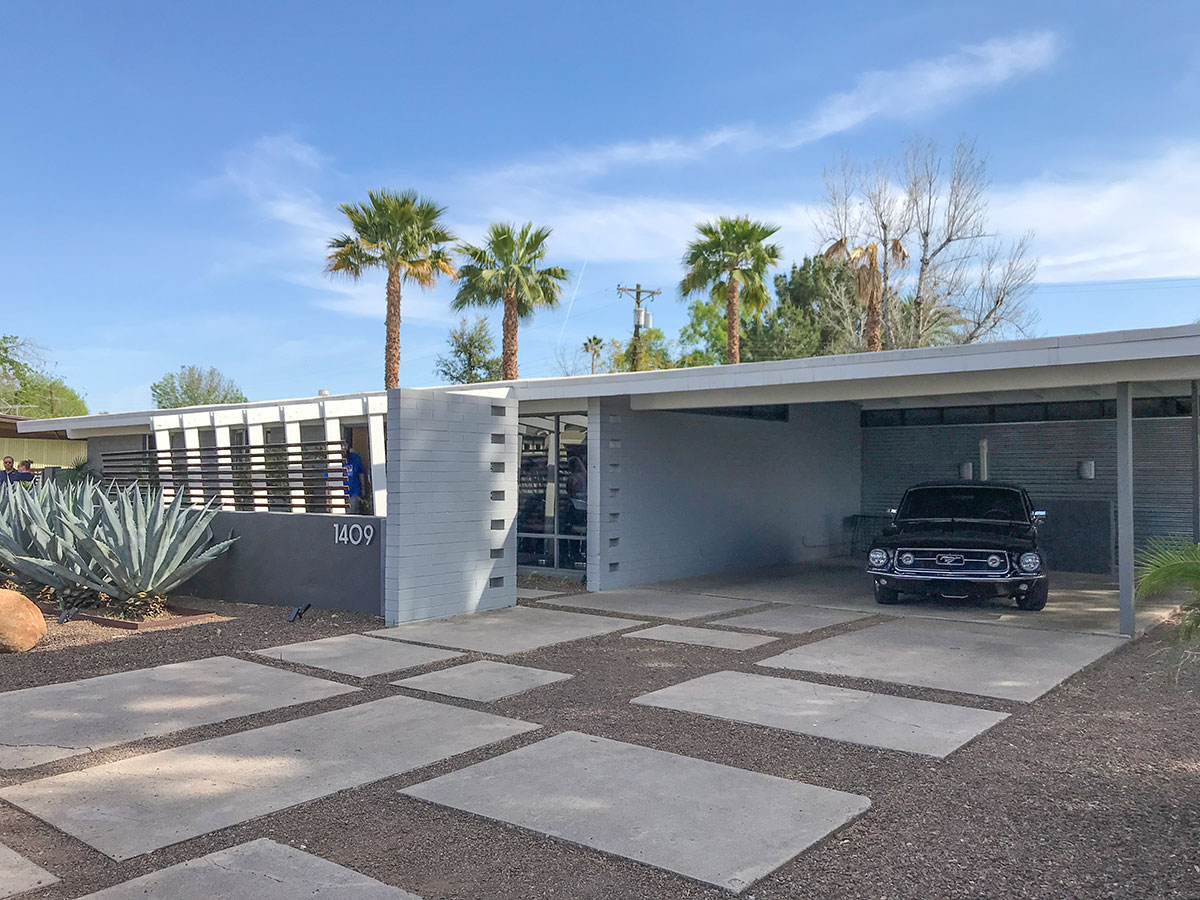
point(130, 549)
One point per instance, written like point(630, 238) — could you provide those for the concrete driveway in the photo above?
point(1078, 602)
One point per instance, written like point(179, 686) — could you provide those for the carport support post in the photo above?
point(1195, 442)
point(1125, 506)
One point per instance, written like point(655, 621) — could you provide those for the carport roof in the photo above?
point(1089, 364)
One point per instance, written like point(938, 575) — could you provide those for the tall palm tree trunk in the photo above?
point(391, 346)
point(733, 321)
point(874, 321)
point(508, 356)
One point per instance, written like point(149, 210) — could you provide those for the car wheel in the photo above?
point(886, 596)
point(1036, 598)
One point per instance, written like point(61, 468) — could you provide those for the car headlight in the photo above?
point(878, 558)
point(908, 559)
point(994, 561)
point(1029, 562)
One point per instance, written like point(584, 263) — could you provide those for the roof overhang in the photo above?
point(1152, 357)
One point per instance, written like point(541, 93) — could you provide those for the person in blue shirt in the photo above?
point(355, 477)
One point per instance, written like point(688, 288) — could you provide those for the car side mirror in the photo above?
point(892, 511)
point(1039, 517)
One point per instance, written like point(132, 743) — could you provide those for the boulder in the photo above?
point(21, 623)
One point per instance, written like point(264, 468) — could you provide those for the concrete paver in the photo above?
point(656, 604)
point(55, 721)
point(702, 637)
point(989, 660)
point(18, 875)
point(355, 654)
point(713, 823)
point(793, 619)
point(503, 631)
point(259, 870)
point(842, 714)
point(135, 805)
point(484, 681)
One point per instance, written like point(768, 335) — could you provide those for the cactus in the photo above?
point(130, 546)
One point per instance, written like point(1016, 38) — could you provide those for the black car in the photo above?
point(961, 540)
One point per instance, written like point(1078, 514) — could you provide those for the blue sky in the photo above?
point(171, 172)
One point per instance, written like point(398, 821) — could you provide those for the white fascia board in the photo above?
point(929, 385)
point(301, 412)
point(344, 407)
point(226, 417)
point(196, 419)
point(262, 415)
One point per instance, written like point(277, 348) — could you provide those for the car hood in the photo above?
point(981, 535)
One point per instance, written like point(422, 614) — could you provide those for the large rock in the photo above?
point(21, 623)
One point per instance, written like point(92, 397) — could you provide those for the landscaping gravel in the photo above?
point(1090, 792)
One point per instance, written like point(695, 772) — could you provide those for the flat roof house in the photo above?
point(642, 477)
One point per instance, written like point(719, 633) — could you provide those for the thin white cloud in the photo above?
point(280, 178)
point(918, 88)
point(1132, 219)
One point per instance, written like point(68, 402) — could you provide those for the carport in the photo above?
point(694, 472)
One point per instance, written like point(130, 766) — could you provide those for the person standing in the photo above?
point(9, 475)
point(24, 470)
point(354, 473)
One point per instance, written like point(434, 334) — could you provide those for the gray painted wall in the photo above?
point(98, 446)
point(1044, 458)
point(290, 559)
point(673, 494)
point(452, 504)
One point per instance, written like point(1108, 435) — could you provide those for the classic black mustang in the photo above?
point(962, 540)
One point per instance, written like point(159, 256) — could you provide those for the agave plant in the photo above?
point(131, 547)
point(1169, 564)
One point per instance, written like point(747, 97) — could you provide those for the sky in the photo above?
point(170, 173)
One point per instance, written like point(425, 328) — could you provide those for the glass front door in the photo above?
point(552, 492)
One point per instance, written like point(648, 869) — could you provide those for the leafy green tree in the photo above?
point(471, 358)
point(42, 396)
point(704, 338)
point(402, 234)
point(195, 386)
point(731, 258)
point(506, 271)
point(785, 332)
point(655, 352)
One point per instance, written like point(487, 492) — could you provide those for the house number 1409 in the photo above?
point(355, 534)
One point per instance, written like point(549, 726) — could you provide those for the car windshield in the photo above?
point(986, 503)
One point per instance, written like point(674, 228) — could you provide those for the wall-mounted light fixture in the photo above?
point(966, 471)
point(1087, 469)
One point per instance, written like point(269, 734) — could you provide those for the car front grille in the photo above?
point(950, 562)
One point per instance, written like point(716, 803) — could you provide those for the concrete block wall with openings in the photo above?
point(451, 534)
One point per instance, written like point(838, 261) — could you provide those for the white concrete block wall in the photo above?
point(451, 523)
point(677, 494)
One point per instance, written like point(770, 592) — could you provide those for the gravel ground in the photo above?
point(1091, 792)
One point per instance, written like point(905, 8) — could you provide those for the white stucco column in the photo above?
point(1125, 506)
point(162, 444)
point(191, 443)
point(333, 445)
point(225, 497)
point(375, 446)
point(258, 465)
point(291, 435)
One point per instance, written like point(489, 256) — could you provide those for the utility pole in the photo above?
point(641, 318)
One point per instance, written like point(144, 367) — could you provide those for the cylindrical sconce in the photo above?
point(983, 459)
point(1087, 469)
point(966, 471)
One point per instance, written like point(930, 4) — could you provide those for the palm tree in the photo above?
point(1172, 564)
point(864, 261)
point(505, 271)
point(729, 258)
point(593, 347)
point(402, 233)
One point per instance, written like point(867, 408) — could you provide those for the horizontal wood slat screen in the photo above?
point(301, 477)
